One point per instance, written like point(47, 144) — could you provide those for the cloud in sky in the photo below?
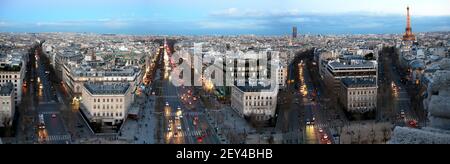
point(236, 13)
point(238, 25)
point(222, 16)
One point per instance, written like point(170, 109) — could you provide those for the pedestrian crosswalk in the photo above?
point(57, 138)
point(405, 121)
point(195, 133)
point(173, 114)
point(49, 112)
point(325, 125)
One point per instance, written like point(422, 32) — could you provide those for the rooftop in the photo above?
point(107, 89)
point(359, 82)
point(426, 135)
point(257, 88)
point(10, 63)
point(88, 71)
point(344, 64)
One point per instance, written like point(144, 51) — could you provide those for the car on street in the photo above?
point(179, 127)
point(199, 139)
point(320, 130)
point(413, 123)
point(53, 115)
point(167, 103)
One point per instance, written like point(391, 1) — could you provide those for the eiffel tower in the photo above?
point(408, 36)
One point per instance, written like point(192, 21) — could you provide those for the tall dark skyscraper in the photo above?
point(294, 32)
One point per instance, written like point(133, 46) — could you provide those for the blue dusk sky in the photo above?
point(223, 17)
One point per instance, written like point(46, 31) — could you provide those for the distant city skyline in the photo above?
point(232, 17)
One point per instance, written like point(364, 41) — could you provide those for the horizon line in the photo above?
point(271, 35)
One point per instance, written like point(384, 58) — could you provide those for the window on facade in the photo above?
point(94, 100)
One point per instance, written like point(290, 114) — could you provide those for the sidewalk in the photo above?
point(141, 131)
point(230, 127)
